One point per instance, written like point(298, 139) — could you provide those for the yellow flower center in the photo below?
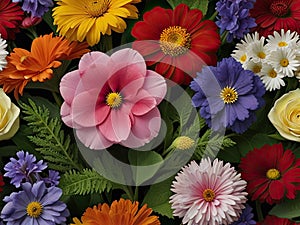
point(96, 8)
point(34, 209)
point(208, 195)
point(261, 55)
point(243, 58)
point(114, 100)
point(282, 44)
point(175, 41)
point(273, 174)
point(272, 73)
point(284, 62)
point(229, 95)
point(256, 69)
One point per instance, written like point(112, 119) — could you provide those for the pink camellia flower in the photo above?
point(209, 193)
point(112, 100)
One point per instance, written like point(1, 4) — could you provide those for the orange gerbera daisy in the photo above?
point(46, 52)
point(120, 212)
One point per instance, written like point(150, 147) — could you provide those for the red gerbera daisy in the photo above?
point(274, 15)
point(274, 220)
point(11, 16)
point(274, 175)
point(178, 40)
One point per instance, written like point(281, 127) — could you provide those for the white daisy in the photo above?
point(240, 53)
point(284, 60)
point(271, 79)
point(257, 50)
point(283, 40)
point(3, 53)
point(254, 67)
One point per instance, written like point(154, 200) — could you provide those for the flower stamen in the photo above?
point(273, 174)
point(208, 195)
point(175, 41)
point(229, 95)
point(114, 100)
point(96, 8)
point(284, 62)
point(34, 209)
point(272, 73)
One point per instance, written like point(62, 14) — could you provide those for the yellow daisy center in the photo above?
point(175, 41)
point(34, 209)
point(261, 55)
point(114, 100)
point(282, 44)
point(208, 195)
point(272, 73)
point(273, 174)
point(229, 95)
point(284, 62)
point(256, 69)
point(243, 58)
point(96, 8)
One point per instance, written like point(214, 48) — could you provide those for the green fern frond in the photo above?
point(49, 138)
point(86, 181)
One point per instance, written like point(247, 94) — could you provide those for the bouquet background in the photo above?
point(149, 112)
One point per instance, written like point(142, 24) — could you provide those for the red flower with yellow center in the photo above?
point(178, 41)
point(274, 15)
point(274, 175)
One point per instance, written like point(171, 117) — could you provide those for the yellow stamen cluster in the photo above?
point(228, 95)
point(273, 174)
point(208, 195)
point(34, 209)
point(114, 100)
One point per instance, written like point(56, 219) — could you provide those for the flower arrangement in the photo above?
point(148, 112)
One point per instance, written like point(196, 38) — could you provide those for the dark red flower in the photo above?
point(273, 220)
point(272, 173)
point(177, 41)
point(1, 183)
point(274, 15)
point(11, 16)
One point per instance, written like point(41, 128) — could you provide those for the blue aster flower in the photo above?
point(52, 179)
point(234, 17)
point(228, 95)
point(24, 168)
point(246, 217)
point(36, 8)
point(35, 204)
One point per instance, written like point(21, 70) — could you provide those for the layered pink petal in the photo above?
point(91, 137)
point(144, 129)
point(84, 109)
point(92, 58)
point(116, 127)
point(68, 85)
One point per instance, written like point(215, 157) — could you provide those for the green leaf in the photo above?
point(50, 140)
point(84, 182)
point(287, 209)
point(144, 164)
point(158, 196)
point(200, 4)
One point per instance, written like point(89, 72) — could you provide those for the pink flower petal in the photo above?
point(117, 125)
point(84, 109)
point(68, 85)
point(144, 129)
point(155, 85)
point(144, 103)
point(92, 58)
point(91, 137)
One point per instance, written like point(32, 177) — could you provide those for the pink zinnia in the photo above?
point(208, 193)
point(112, 100)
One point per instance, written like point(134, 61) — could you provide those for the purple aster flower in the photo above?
point(246, 217)
point(52, 179)
point(234, 17)
point(228, 95)
point(35, 204)
point(37, 8)
point(24, 168)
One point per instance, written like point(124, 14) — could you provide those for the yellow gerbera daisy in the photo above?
point(88, 19)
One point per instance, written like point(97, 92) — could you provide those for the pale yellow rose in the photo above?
point(9, 117)
point(285, 115)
